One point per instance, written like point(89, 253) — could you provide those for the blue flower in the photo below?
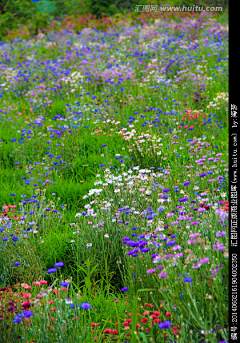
point(17, 319)
point(64, 284)
point(16, 263)
point(51, 270)
point(203, 174)
point(28, 313)
point(183, 199)
point(124, 289)
point(59, 264)
point(165, 325)
point(187, 279)
point(85, 306)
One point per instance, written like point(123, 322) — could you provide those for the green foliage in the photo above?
point(40, 22)
point(14, 13)
point(111, 7)
point(68, 7)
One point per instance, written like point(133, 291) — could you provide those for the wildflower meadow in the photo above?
point(114, 181)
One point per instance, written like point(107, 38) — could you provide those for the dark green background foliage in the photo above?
point(15, 13)
point(111, 7)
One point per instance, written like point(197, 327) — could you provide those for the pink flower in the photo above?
point(196, 265)
point(150, 271)
point(204, 260)
point(27, 295)
point(162, 275)
point(43, 282)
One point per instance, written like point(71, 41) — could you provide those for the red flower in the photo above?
point(94, 324)
point(43, 282)
point(158, 320)
point(26, 304)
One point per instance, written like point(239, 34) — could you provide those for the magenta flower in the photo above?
point(176, 247)
point(162, 274)
point(204, 260)
point(150, 271)
point(196, 265)
point(221, 233)
point(180, 254)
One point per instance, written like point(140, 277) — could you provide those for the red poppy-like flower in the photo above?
point(144, 320)
point(157, 313)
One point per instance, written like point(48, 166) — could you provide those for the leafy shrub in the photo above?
point(111, 7)
point(69, 7)
point(14, 13)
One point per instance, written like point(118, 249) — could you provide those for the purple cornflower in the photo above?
point(177, 247)
point(51, 270)
point(162, 274)
point(165, 325)
point(28, 313)
point(196, 265)
point(180, 254)
point(187, 279)
point(186, 183)
point(85, 306)
point(202, 175)
point(204, 260)
point(221, 233)
point(183, 199)
point(64, 284)
point(150, 271)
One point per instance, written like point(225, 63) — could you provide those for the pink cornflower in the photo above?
point(150, 271)
point(43, 282)
point(162, 274)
